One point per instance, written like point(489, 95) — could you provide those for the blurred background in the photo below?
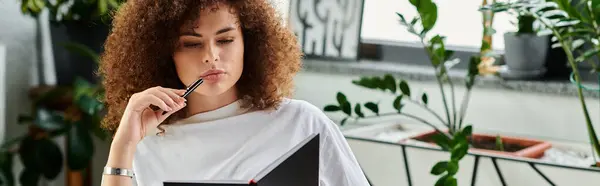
point(470, 92)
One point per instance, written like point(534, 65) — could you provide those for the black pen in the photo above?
point(190, 89)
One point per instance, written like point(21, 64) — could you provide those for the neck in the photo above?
point(197, 103)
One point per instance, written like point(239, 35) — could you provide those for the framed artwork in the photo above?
point(328, 29)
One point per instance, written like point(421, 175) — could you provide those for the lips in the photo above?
point(212, 72)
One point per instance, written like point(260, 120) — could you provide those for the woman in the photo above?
point(234, 124)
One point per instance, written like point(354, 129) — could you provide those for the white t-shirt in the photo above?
point(230, 143)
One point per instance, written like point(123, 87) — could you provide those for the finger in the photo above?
point(179, 92)
point(154, 100)
point(173, 93)
point(162, 116)
point(165, 97)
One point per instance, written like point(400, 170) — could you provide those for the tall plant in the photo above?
point(71, 111)
point(572, 27)
point(455, 138)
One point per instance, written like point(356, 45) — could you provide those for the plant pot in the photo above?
point(524, 55)
point(69, 64)
point(516, 147)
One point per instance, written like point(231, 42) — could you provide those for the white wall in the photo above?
point(506, 112)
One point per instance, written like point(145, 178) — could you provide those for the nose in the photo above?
point(211, 54)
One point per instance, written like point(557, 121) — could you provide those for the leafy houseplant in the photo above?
point(571, 29)
point(85, 11)
point(72, 111)
point(525, 50)
point(85, 22)
point(455, 138)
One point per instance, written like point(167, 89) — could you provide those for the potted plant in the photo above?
point(525, 51)
point(73, 112)
point(455, 138)
point(570, 29)
point(83, 22)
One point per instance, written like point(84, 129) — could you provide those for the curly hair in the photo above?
point(138, 53)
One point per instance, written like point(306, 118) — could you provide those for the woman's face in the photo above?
point(212, 48)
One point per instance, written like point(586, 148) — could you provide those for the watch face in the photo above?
point(118, 171)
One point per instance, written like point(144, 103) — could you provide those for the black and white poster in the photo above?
point(327, 28)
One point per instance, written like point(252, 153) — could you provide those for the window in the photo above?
point(459, 21)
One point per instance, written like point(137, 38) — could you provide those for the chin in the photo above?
point(213, 88)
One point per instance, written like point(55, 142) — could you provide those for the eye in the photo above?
point(192, 45)
point(225, 41)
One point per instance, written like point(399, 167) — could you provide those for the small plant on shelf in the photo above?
point(573, 26)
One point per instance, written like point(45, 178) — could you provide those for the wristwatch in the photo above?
point(118, 171)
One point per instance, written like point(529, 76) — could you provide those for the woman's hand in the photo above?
point(138, 117)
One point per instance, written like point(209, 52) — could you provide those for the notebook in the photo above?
point(297, 167)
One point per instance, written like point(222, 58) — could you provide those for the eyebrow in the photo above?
point(192, 33)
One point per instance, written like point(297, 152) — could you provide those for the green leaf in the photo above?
point(544, 32)
point(50, 158)
point(27, 153)
point(424, 98)
point(428, 12)
point(24, 119)
point(113, 3)
point(577, 43)
point(441, 140)
point(102, 7)
point(29, 177)
point(439, 168)
point(331, 108)
point(448, 55)
point(459, 151)
point(373, 107)
point(588, 54)
point(7, 176)
point(344, 121)
point(49, 120)
point(414, 21)
point(404, 88)
point(82, 50)
point(467, 131)
point(441, 181)
point(344, 104)
point(42, 155)
point(89, 105)
point(554, 14)
point(341, 98)
point(556, 45)
point(368, 82)
point(398, 103)
point(80, 147)
point(450, 181)
point(390, 82)
point(499, 144)
point(436, 45)
point(402, 19)
point(415, 3)
point(452, 167)
point(566, 23)
point(358, 111)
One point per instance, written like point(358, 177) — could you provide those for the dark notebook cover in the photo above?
point(298, 167)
